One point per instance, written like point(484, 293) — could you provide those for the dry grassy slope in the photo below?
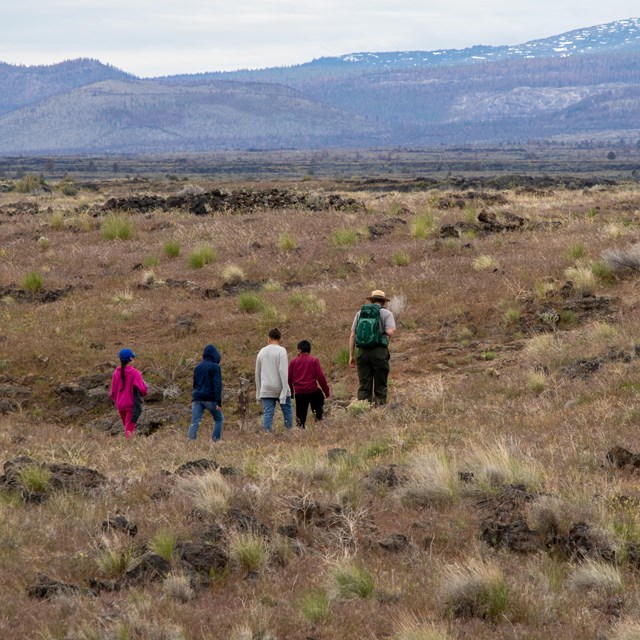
point(478, 378)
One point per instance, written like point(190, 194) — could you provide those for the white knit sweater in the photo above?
point(272, 368)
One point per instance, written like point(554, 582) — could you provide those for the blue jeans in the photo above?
point(269, 406)
point(197, 409)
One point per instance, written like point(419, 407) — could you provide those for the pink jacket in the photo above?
point(123, 397)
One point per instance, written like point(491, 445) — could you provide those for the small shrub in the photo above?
point(342, 357)
point(250, 302)
point(315, 607)
point(32, 282)
point(286, 242)
point(349, 580)
point(163, 544)
point(477, 589)
point(172, 248)
point(43, 243)
point(202, 256)
point(68, 188)
point(31, 183)
point(397, 305)
point(401, 259)
point(344, 237)
point(35, 478)
point(623, 259)
point(117, 227)
point(249, 550)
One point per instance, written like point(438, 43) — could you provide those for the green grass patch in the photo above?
point(117, 227)
point(202, 256)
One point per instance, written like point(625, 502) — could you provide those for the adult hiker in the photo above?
point(272, 385)
point(207, 393)
point(372, 327)
point(127, 389)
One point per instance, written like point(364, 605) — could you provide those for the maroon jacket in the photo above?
point(305, 375)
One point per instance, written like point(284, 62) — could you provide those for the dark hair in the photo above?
point(275, 334)
point(123, 364)
point(304, 346)
point(381, 301)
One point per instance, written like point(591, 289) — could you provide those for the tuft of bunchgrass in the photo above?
point(271, 286)
point(627, 629)
point(202, 256)
point(475, 589)
point(410, 627)
point(178, 586)
point(432, 479)
point(342, 357)
point(582, 278)
point(537, 382)
point(171, 249)
point(150, 261)
point(307, 302)
point(511, 316)
point(351, 580)
point(249, 551)
point(546, 350)
point(208, 492)
point(401, 259)
point(32, 282)
point(603, 272)
point(422, 225)
point(497, 464)
point(57, 221)
point(115, 561)
point(249, 302)
point(286, 242)
point(44, 243)
point(315, 607)
point(485, 263)
point(576, 251)
point(358, 407)
point(596, 575)
point(117, 227)
point(233, 274)
point(344, 237)
point(35, 478)
point(163, 544)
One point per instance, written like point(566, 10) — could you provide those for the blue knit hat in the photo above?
point(126, 354)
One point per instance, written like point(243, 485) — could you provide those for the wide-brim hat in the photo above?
point(378, 295)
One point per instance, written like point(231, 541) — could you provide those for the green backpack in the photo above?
point(369, 330)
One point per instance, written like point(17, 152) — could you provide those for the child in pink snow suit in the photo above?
point(127, 387)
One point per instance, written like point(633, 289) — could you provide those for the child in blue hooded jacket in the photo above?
point(207, 393)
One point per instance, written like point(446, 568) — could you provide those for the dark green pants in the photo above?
point(373, 372)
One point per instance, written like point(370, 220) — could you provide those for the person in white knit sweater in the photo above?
point(272, 386)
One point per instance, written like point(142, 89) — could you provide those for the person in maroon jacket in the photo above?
point(308, 384)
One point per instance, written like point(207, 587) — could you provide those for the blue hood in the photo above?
point(211, 353)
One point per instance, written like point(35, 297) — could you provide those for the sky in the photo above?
point(164, 37)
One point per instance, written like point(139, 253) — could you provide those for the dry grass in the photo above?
point(463, 398)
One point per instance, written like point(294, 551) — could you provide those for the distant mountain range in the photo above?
point(580, 86)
